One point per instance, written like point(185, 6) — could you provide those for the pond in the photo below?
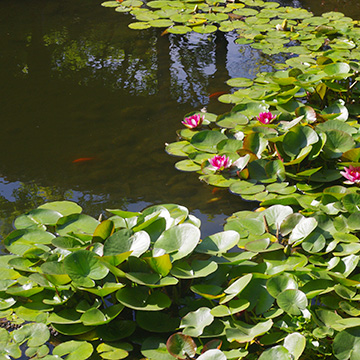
point(89, 104)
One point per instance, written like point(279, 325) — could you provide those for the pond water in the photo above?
point(88, 105)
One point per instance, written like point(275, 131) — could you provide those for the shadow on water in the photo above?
point(80, 85)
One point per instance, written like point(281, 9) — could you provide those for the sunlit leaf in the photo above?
point(194, 322)
point(181, 346)
point(75, 350)
point(292, 301)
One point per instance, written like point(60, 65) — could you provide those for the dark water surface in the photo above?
point(77, 83)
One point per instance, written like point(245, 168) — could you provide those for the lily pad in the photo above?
point(197, 268)
point(207, 140)
point(83, 266)
point(65, 208)
point(194, 322)
point(76, 223)
point(205, 29)
point(181, 346)
point(125, 240)
point(139, 299)
point(218, 243)
point(177, 241)
point(292, 301)
point(75, 350)
point(157, 321)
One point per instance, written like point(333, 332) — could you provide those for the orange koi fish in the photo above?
point(79, 160)
point(217, 94)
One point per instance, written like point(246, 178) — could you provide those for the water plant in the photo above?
point(352, 174)
point(279, 282)
point(290, 131)
point(193, 121)
point(275, 283)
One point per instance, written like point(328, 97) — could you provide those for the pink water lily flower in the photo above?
point(220, 162)
point(193, 121)
point(266, 117)
point(352, 174)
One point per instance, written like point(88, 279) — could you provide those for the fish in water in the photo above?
point(84, 159)
point(217, 94)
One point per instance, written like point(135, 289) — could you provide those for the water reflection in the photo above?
point(193, 62)
point(348, 7)
point(79, 84)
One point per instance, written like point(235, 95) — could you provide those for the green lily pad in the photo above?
point(110, 4)
point(72, 329)
point(67, 242)
point(232, 119)
point(76, 223)
point(337, 142)
point(156, 321)
point(302, 229)
point(207, 140)
point(95, 317)
point(292, 301)
point(187, 165)
point(233, 307)
point(114, 351)
point(26, 290)
point(194, 322)
point(245, 12)
point(125, 240)
point(116, 330)
point(236, 287)
point(251, 109)
point(242, 332)
point(83, 266)
point(338, 108)
point(240, 82)
point(208, 291)
point(65, 316)
point(279, 283)
point(151, 280)
point(212, 354)
point(65, 208)
point(7, 303)
point(34, 334)
point(141, 25)
point(314, 243)
point(37, 218)
point(298, 138)
point(161, 23)
point(178, 345)
point(277, 352)
point(197, 268)
point(105, 290)
point(178, 241)
point(218, 243)
point(179, 29)
point(75, 350)
point(205, 29)
point(218, 180)
point(140, 299)
point(20, 241)
point(346, 344)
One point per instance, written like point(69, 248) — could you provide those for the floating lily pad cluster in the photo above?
point(313, 132)
point(312, 100)
point(275, 283)
point(181, 17)
point(84, 276)
point(266, 25)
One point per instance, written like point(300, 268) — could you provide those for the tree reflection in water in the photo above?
point(81, 84)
